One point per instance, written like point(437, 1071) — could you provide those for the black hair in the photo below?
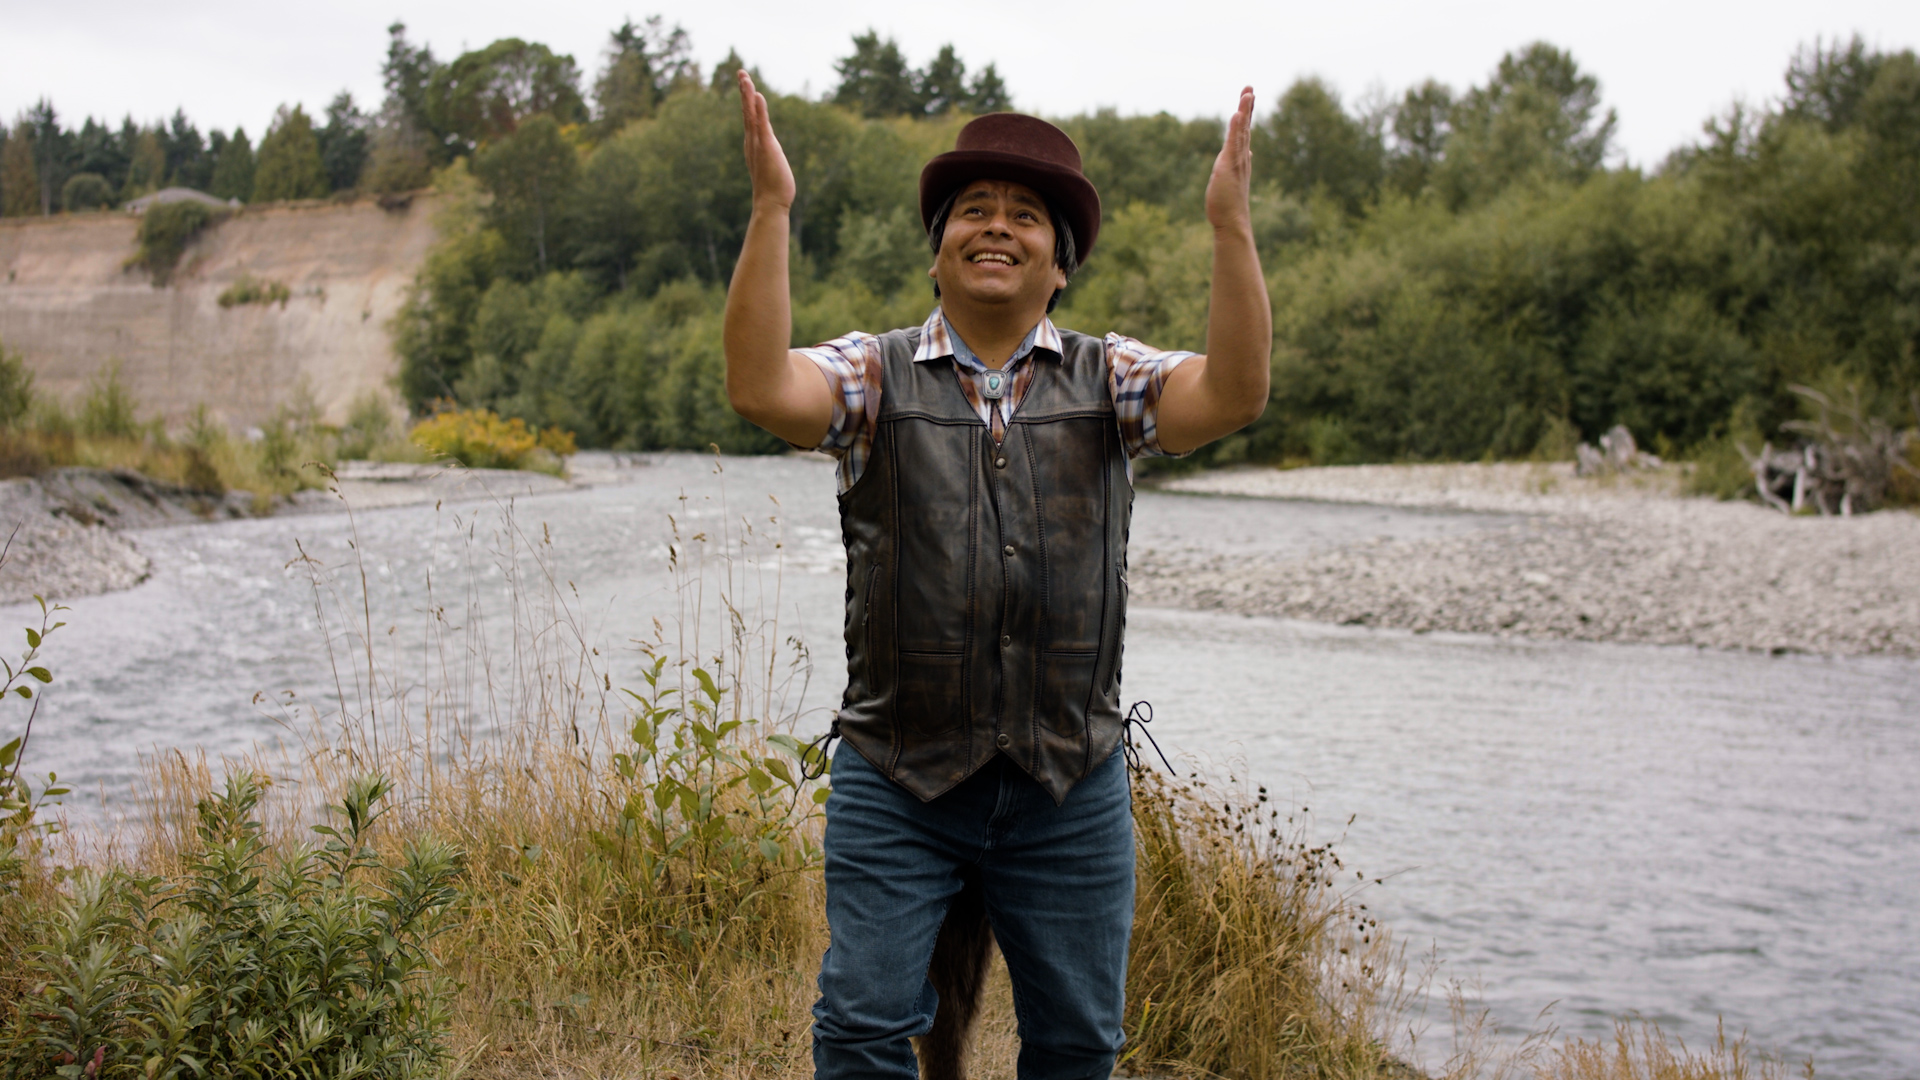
point(1065, 252)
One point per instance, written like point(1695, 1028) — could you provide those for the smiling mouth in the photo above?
point(993, 257)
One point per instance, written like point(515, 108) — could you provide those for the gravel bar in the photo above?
point(1624, 559)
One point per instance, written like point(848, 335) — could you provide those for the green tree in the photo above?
point(1420, 123)
point(146, 166)
point(644, 63)
point(488, 93)
point(344, 143)
point(99, 151)
point(406, 74)
point(1826, 83)
point(233, 168)
point(19, 180)
point(50, 152)
point(988, 92)
point(942, 86)
point(875, 80)
point(1313, 145)
point(288, 165)
point(186, 152)
point(1539, 117)
point(85, 191)
point(530, 173)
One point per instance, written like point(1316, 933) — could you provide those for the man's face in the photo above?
point(998, 247)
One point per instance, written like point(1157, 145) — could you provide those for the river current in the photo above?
point(1608, 829)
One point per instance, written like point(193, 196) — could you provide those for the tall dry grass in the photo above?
point(642, 892)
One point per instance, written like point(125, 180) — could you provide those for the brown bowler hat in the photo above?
point(1025, 150)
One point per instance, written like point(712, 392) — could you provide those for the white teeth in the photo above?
point(994, 256)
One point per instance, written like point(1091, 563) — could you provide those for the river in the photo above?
point(1676, 833)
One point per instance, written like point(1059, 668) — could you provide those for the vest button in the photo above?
point(1006, 640)
point(1008, 550)
point(999, 463)
point(1003, 740)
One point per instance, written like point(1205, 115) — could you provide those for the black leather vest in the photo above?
point(986, 586)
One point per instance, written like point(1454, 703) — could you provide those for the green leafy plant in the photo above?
point(21, 826)
point(315, 962)
point(248, 289)
point(165, 231)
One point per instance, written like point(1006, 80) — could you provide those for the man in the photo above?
point(985, 493)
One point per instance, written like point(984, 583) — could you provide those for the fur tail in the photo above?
point(959, 976)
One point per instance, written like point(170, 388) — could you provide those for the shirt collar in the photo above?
point(937, 340)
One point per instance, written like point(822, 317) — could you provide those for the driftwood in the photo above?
point(1841, 468)
point(1616, 454)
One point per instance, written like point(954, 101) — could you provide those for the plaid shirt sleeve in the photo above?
point(852, 367)
point(1136, 376)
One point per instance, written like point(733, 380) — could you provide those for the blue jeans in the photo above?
point(1058, 883)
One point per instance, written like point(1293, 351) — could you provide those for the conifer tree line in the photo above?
point(1457, 272)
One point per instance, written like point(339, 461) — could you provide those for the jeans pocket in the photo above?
point(1066, 681)
point(928, 699)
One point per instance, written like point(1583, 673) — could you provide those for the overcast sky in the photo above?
point(1666, 65)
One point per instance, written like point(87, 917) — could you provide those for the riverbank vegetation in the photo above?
point(291, 452)
point(1458, 273)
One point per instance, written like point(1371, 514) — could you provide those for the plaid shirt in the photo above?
point(1136, 375)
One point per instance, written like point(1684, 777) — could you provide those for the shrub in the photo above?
point(108, 409)
point(85, 191)
point(312, 963)
point(248, 289)
point(480, 439)
point(165, 231)
point(16, 388)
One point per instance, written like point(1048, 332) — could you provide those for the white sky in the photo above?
point(1666, 65)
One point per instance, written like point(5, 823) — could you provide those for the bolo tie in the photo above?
point(994, 387)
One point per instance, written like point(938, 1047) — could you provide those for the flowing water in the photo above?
point(1678, 833)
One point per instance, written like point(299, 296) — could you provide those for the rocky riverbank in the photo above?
point(1626, 559)
point(70, 525)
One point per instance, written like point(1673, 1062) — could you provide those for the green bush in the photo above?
point(85, 191)
point(16, 388)
point(108, 409)
point(247, 965)
point(247, 289)
point(165, 230)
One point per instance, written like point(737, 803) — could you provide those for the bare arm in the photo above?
point(1214, 395)
point(767, 382)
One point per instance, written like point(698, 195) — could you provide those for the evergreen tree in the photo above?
point(942, 86)
point(186, 153)
point(344, 143)
point(989, 92)
point(288, 164)
point(19, 179)
point(100, 153)
point(875, 81)
point(406, 74)
point(233, 168)
point(644, 63)
point(146, 167)
point(51, 152)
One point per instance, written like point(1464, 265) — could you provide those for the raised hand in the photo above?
point(766, 162)
point(1229, 186)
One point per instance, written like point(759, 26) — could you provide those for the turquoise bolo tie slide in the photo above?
point(994, 386)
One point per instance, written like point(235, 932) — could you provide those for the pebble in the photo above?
point(1625, 559)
